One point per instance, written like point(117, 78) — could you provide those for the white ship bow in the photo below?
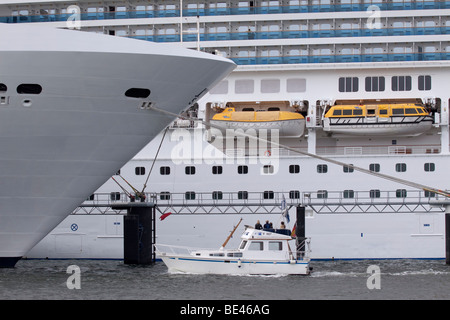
point(73, 110)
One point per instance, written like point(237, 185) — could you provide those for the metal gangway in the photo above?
point(269, 202)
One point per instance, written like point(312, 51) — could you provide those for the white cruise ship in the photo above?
point(74, 108)
point(355, 82)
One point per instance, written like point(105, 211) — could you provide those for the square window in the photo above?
point(374, 193)
point(217, 195)
point(242, 195)
point(164, 195)
point(164, 170)
point(294, 168)
point(268, 195)
point(242, 169)
point(294, 194)
point(217, 169)
point(189, 195)
point(139, 171)
point(189, 170)
point(347, 169)
point(400, 167)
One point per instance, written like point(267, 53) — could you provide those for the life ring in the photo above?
point(267, 153)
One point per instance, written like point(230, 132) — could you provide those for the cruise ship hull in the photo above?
point(62, 143)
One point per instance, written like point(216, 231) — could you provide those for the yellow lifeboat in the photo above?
point(406, 119)
point(289, 124)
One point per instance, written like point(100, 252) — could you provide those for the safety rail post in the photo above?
point(300, 233)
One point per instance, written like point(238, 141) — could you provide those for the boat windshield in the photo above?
point(243, 243)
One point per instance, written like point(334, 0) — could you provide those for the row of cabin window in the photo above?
point(293, 168)
point(269, 195)
point(24, 88)
point(32, 88)
point(376, 84)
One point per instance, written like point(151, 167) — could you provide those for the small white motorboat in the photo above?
point(262, 251)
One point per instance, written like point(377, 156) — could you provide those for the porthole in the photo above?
point(29, 88)
point(137, 93)
point(3, 87)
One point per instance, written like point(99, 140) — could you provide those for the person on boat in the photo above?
point(267, 225)
point(282, 225)
point(258, 225)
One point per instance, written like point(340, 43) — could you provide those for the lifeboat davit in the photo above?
point(288, 124)
point(405, 119)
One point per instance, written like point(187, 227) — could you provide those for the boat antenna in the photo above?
point(339, 163)
point(231, 234)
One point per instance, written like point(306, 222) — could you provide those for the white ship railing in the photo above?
point(165, 249)
point(338, 151)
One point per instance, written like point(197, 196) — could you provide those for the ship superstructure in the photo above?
point(366, 81)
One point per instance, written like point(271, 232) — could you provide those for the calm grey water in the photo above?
point(330, 280)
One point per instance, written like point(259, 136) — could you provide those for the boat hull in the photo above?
point(61, 144)
point(355, 127)
point(286, 128)
point(245, 267)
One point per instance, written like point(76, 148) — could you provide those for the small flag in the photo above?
point(293, 231)
point(285, 210)
point(165, 215)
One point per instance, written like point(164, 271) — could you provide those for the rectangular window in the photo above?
point(115, 196)
point(189, 195)
point(294, 194)
point(242, 169)
point(429, 167)
point(374, 84)
point(400, 167)
point(242, 195)
point(244, 86)
point(424, 83)
point(164, 195)
point(375, 193)
point(322, 194)
point(256, 246)
point(349, 194)
point(348, 84)
point(270, 85)
point(401, 83)
point(164, 171)
point(347, 169)
point(268, 195)
point(217, 195)
point(429, 194)
point(139, 171)
point(268, 169)
point(400, 193)
point(322, 168)
point(275, 245)
point(217, 169)
point(375, 167)
point(190, 170)
point(294, 168)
